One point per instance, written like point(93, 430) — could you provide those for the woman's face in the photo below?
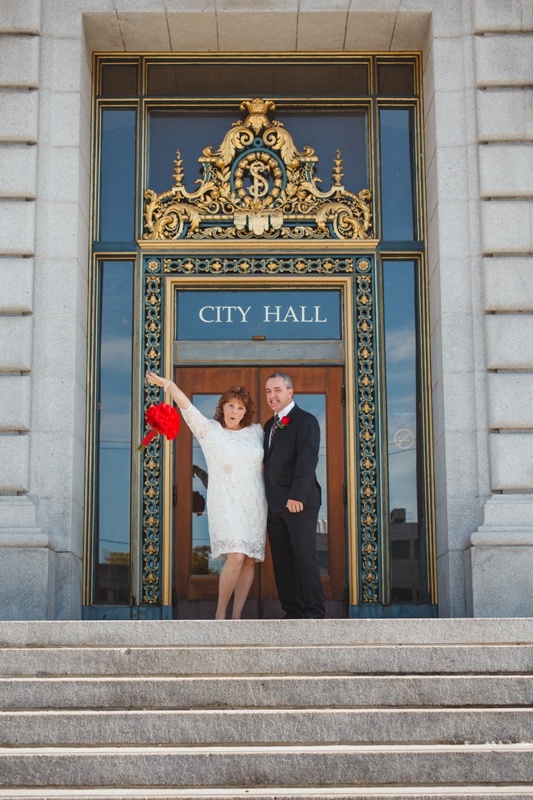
point(234, 411)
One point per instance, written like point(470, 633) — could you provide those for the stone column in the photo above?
point(26, 554)
point(501, 551)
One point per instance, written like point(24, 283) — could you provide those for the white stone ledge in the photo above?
point(17, 232)
point(63, 20)
point(505, 115)
point(284, 26)
point(511, 461)
point(504, 60)
point(16, 511)
point(16, 51)
point(506, 170)
point(16, 338)
point(507, 226)
point(508, 538)
point(15, 403)
point(29, 538)
point(18, 115)
point(20, 17)
point(508, 283)
point(18, 171)
point(509, 341)
point(61, 64)
point(16, 285)
point(510, 15)
point(508, 510)
point(510, 396)
point(14, 463)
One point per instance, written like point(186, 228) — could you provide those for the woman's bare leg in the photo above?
point(243, 586)
point(228, 579)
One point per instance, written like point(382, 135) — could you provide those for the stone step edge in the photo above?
point(444, 792)
point(250, 749)
point(210, 632)
point(266, 711)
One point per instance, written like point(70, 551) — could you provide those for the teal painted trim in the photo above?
point(402, 247)
point(147, 612)
point(378, 611)
point(116, 247)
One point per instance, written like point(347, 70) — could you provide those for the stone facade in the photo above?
point(478, 97)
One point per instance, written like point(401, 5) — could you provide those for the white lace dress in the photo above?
point(236, 503)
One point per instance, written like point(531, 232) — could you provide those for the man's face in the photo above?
point(278, 395)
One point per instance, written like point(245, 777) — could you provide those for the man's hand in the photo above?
point(294, 506)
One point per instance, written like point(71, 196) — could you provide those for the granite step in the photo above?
point(280, 710)
point(266, 766)
point(303, 691)
point(268, 660)
point(288, 633)
point(265, 726)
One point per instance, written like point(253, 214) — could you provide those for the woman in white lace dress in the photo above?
point(236, 505)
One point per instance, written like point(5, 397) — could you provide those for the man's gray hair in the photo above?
point(283, 375)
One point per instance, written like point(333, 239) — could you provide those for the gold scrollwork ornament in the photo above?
point(257, 184)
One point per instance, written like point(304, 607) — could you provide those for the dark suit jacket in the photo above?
point(290, 463)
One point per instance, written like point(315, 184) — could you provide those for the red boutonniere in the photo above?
point(162, 418)
point(283, 422)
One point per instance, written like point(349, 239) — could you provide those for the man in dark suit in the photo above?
point(292, 440)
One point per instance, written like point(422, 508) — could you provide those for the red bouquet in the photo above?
point(161, 418)
point(283, 422)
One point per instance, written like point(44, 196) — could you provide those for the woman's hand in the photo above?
point(157, 380)
point(181, 400)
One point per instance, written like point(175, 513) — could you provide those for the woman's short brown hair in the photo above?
point(244, 396)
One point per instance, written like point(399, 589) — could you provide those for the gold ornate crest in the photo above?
point(257, 184)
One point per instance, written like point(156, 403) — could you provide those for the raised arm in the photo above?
point(169, 387)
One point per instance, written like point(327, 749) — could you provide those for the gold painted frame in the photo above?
point(173, 284)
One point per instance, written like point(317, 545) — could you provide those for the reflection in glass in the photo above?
point(397, 174)
point(119, 80)
point(202, 563)
point(117, 175)
point(325, 132)
point(399, 282)
point(258, 80)
point(114, 433)
point(396, 80)
point(170, 131)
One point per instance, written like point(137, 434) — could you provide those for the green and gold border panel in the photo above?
point(156, 547)
point(367, 445)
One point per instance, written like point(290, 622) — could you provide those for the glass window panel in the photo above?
point(396, 80)
point(119, 80)
point(397, 174)
point(114, 433)
point(258, 80)
point(326, 132)
point(117, 175)
point(202, 562)
point(404, 466)
point(171, 131)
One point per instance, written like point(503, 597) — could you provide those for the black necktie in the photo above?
point(273, 429)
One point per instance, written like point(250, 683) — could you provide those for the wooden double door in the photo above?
point(318, 390)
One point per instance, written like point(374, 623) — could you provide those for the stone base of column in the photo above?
point(501, 559)
point(27, 563)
